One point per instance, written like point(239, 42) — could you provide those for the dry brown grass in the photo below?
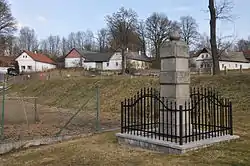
point(102, 149)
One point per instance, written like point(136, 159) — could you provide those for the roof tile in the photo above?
point(39, 57)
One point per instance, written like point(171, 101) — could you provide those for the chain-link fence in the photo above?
point(22, 118)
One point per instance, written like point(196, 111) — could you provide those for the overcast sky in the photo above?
point(60, 17)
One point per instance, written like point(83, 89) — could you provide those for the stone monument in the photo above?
point(175, 78)
point(174, 85)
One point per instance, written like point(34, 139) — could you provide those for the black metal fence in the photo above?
point(206, 115)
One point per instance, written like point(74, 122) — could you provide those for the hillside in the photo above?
point(103, 149)
point(71, 92)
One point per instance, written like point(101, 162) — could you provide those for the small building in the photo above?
point(34, 62)
point(138, 60)
point(6, 62)
point(227, 59)
point(103, 61)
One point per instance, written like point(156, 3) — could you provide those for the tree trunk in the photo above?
point(123, 61)
point(216, 67)
point(158, 59)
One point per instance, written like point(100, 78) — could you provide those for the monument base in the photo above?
point(166, 146)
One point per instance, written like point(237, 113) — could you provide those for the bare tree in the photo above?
point(120, 25)
point(80, 39)
point(203, 42)
point(71, 41)
point(89, 40)
point(223, 43)
point(28, 39)
point(7, 21)
point(7, 27)
point(12, 48)
point(243, 45)
point(102, 39)
point(141, 30)
point(189, 30)
point(53, 45)
point(158, 28)
point(64, 48)
point(221, 11)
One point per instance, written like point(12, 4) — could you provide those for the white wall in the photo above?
point(40, 66)
point(115, 62)
point(4, 69)
point(233, 65)
point(138, 64)
point(73, 62)
point(89, 65)
point(24, 60)
point(200, 59)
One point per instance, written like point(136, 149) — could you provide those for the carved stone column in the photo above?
point(174, 81)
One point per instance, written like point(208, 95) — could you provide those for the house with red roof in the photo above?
point(34, 62)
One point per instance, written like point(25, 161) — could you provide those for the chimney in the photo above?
point(35, 52)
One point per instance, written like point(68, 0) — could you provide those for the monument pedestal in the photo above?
point(167, 146)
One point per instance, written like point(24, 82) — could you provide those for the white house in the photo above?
point(229, 60)
point(34, 62)
point(103, 61)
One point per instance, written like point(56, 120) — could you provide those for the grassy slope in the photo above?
point(103, 150)
point(73, 92)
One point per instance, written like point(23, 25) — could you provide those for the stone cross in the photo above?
point(174, 77)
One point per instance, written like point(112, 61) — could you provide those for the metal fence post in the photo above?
point(231, 117)
point(121, 117)
point(36, 115)
point(97, 108)
point(3, 107)
point(181, 123)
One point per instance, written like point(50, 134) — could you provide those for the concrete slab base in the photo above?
point(166, 146)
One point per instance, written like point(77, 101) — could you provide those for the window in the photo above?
point(107, 64)
point(201, 65)
point(236, 65)
point(23, 67)
point(116, 63)
point(223, 65)
point(202, 56)
point(206, 55)
point(30, 67)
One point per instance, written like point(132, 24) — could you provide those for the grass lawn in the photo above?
point(102, 149)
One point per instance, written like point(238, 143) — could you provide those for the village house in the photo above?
point(104, 61)
point(6, 62)
point(34, 62)
point(231, 60)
